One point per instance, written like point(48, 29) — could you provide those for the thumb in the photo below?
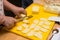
point(18, 15)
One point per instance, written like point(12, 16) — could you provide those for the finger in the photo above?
point(18, 15)
point(15, 21)
point(12, 21)
point(6, 24)
point(24, 12)
point(1, 20)
point(10, 25)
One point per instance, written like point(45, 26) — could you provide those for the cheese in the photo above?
point(36, 21)
point(38, 35)
point(43, 29)
point(30, 33)
point(22, 15)
point(25, 21)
point(41, 23)
point(54, 18)
point(35, 9)
point(26, 30)
point(46, 26)
point(25, 25)
point(37, 28)
point(19, 28)
point(32, 26)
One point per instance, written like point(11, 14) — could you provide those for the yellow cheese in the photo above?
point(22, 15)
point(35, 9)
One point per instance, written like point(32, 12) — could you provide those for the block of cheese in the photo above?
point(54, 18)
point(25, 21)
point(22, 15)
point(19, 28)
point(52, 9)
point(35, 9)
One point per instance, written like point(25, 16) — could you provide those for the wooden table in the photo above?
point(4, 35)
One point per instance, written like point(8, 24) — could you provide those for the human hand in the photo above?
point(1, 19)
point(18, 11)
point(9, 22)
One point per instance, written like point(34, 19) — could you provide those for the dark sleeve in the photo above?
point(9, 13)
point(26, 3)
point(14, 2)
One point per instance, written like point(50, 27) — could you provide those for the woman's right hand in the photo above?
point(8, 22)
